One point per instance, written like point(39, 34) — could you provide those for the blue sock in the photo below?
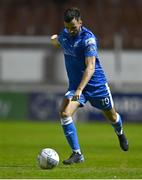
point(118, 125)
point(70, 133)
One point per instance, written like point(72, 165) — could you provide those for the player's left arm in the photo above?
point(89, 71)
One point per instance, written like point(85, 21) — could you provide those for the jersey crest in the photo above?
point(90, 41)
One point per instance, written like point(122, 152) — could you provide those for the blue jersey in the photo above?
point(76, 49)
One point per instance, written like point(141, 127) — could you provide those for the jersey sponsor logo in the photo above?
point(64, 39)
point(90, 41)
point(76, 43)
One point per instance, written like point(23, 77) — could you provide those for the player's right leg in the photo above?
point(67, 110)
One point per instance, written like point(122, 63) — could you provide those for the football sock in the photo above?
point(71, 134)
point(118, 125)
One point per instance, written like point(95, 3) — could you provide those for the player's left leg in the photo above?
point(115, 119)
point(116, 122)
point(104, 102)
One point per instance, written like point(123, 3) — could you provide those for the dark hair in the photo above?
point(72, 13)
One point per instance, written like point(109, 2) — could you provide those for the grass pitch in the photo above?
point(21, 141)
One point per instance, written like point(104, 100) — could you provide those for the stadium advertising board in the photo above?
point(43, 106)
point(13, 105)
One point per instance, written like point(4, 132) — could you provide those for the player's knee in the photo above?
point(65, 118)
point(113, 117)
point(64, 114)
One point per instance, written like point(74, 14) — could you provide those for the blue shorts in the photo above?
point(101, 100)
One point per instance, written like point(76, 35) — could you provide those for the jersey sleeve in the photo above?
point(60, 38)
point(90, 47)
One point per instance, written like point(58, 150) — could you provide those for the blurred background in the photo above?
point(32, 74)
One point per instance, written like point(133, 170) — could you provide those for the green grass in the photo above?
point(20, 143)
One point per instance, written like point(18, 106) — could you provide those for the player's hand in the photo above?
point(54, 40)
point(77, 95)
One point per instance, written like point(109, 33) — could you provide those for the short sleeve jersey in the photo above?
point(76, 49)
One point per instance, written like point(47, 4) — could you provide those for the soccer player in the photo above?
point(87, 81)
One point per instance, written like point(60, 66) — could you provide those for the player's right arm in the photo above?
point(54, 40)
